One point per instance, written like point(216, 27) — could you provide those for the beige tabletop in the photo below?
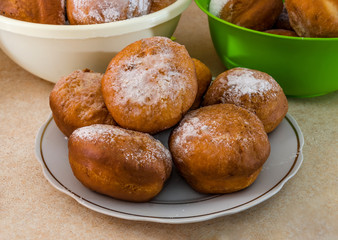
point(30, 208)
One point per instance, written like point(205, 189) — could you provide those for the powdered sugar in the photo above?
point(106, 132)
point(216, 6)
point(195, 128)
point(188, 129)
point(109, 14)
point(151, 150)
point(104, 11)
point(142, 6)
point(244, 82)
point(148, 79)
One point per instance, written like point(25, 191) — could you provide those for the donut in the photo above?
point(313, 18)
point(254, 14)
point(251, 89)
point(282, 32)
point(36, 11)
point(158, 5)
point(219, 148)
point(150, 85)
point(76, 101)
point(204, 78)
point(120, 163)
point(83, 12)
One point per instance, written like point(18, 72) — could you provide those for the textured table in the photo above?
point(30, 208)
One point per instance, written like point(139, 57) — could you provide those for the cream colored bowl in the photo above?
point(53, 51)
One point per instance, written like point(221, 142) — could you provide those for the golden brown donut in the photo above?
point(150, 85)
point(36, 11)
point(282, 32)
point(76, 101)
point(313, 18)
point(160, 4)
point(219, 148)
point(254, 14)
point(251, 89)
point(120, 163)
point(102, 11)
point(204, 78)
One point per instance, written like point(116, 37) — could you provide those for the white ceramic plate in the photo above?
point(177, 203)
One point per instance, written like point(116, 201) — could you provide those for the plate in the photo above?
point(177, 202)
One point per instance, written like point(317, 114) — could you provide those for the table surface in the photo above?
point(30, 208)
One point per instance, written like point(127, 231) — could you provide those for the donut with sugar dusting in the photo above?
point(103, 11)
point(251, 89)
point(150, 85)
point(36, 11)
point(120, 163)
point(254, 14)
point(76, 101)
point(219, 148)
point(313, 18)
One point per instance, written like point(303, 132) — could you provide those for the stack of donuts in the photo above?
point(79, 12)
point(218, 139)
point(303, 18)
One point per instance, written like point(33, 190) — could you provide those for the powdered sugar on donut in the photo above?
point(141, 6)
point(216, 6)
point(153, 148)
point(149, 79)
point(188, 129)
point(243, 81)
point(138, 85)
point(106, 132)
point(109, 11)
point(194, 127)
point(246, 83)
point(102, 11)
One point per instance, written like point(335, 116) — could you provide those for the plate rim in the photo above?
point(172, 220)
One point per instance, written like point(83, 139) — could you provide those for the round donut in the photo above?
point(150, 85)
point(36, 11)
point(219, 148)
point(204, 78)
point(120, 163)
point(76, 101)
point(251, 89)
point(254, 14)
point(102, 11)
point(313, 18)
point(282, 32)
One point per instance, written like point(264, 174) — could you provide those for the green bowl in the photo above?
point(304, 67)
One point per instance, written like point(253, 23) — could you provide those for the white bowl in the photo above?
point(53, 51)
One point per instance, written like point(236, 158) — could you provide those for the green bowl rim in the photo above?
point(261, 33)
